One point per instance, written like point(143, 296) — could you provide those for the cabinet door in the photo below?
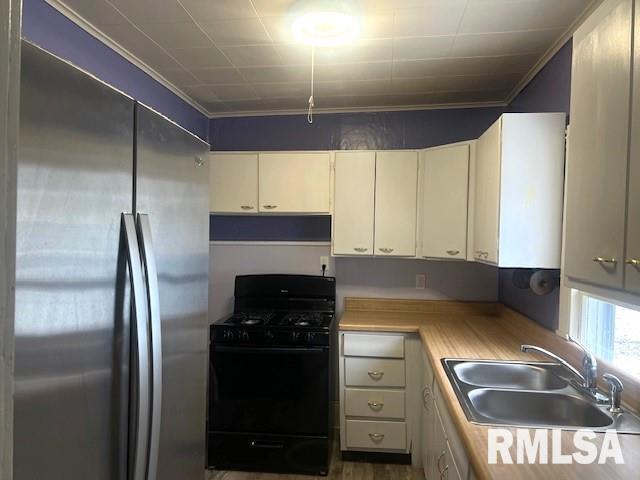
point(439, 448)
point(445, 181)
point(597, 164)
point(396, 203)
point(233, 182)
point(353, 210)
point(487, 194)
point(428, 408)
point(294, 182)
point(632, 256)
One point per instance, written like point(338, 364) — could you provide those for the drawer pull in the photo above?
point(386, 250)
point(360, 249)
point(246, 207)
point(633, 261)
point(441, 469)
point(605, 260)
point(426, 395)
point(376, 374)
point(376, 437)
point(453, 252)
point(376, 405)
point(270, 207)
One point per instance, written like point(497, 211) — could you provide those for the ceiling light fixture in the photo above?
point(324, 23)
point(325, 28)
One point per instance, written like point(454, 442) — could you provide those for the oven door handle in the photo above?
point(268, 350)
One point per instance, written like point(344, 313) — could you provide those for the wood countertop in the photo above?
point(486, 331)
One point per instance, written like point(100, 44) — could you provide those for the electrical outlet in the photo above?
point(421, 281)
point(324, 261)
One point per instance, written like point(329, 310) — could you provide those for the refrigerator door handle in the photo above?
point(149, 262)
point(141, 392)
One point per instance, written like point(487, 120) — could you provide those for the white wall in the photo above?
point(356, 277)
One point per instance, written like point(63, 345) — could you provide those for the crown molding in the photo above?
point(123, 52)
point(548, 55)
point(373, 109)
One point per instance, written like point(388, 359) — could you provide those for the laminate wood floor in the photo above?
point(339, 470)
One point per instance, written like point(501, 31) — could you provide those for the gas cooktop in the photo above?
point(320, 320)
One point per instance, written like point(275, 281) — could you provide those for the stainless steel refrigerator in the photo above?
point(112, 282)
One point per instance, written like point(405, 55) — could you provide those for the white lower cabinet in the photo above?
point(375, 383)
point(390, 402)
point(443, 454)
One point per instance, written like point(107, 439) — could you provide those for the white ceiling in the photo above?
point(233, 56)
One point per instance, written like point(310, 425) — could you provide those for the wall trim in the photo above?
point(104, 38)
point(269, 243)
point(373, 109)
point(548, 55)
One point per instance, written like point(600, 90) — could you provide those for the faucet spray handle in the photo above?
point(615, 391)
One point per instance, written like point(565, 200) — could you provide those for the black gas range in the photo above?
point(270, 376)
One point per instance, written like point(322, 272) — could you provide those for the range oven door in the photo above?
point(269, 390)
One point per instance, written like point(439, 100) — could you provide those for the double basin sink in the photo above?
point(534, 394)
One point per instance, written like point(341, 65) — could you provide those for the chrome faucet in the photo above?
point(589, 364)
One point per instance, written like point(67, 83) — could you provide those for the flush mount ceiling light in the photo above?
point(325, 29)
point(324, 23)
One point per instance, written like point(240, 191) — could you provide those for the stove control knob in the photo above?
point(244, 336)
point(268, 336)
point(227, 335)
point(311, 337)
point(295, 337)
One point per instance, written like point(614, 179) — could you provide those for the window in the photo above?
point(610, 331)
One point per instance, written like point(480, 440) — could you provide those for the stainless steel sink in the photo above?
point(537, 408)
point(508, 375)
point(529, 394)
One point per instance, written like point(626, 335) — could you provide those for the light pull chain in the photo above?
point(313, 67)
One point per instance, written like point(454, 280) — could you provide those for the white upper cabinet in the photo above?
point(233, 180)
point(632, 254)
point(396, 203)
point(518, 191)
point(353, 212)
point(598, 153)
point(295, 182)
point(444, 202)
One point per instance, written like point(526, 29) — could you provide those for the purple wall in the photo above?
point(49, 29)
point(549, 91)
point(351, 131)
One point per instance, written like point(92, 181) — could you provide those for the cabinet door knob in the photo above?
point(376, 437)
point(376, 374)
point(453, 252)
point(376, 405)
point(246, 207)
point(605, 260)
point(270, 207)
point(633, 261)
point(386, 250)
point(360, 249)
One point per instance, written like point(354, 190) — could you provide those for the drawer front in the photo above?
point(373, 435)
point(361, 402)
point(386, 346)
point(373, 372)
